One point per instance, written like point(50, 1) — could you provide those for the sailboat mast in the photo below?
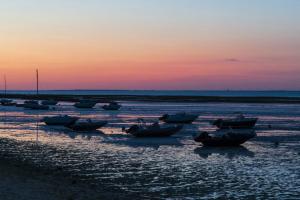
point(37, 82)
point(5, 85)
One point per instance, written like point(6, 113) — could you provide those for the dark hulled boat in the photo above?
point(240, 122)
point(112, 106)
point(87, 125)
point(154, 130)
point(229, 137)
point(183, 118)
point(61, 120)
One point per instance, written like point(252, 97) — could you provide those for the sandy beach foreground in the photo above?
point(42, 162)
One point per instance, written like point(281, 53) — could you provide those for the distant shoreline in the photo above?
point(157, 98)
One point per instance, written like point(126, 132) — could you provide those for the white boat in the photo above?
point(179, 118)
point(153, 130)
point(86, 125)
point(225, 137)
point(112, 106)
point(60, 120)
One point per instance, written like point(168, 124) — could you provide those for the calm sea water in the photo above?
point(167, 93)
point(174, 167)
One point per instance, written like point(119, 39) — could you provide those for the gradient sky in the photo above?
point(151, 44)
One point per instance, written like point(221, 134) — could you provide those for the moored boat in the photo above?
point(153, 130)
point(179, 118)
point(85, 104)
point(7, 102)
point(50, 102)
point(112, 106)
point(3, 101)
point(86, 125)
point(34, 105)
point(240, 122)
point(228, 137)
point(61, 120)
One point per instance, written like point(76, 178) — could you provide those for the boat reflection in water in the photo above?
point(228, 152)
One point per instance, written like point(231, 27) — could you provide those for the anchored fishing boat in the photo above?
point(50, 102)
point(86, 125)
point(112, 106)
point(153, 130)
point(32, 104)
point(239, 122)
point(179, 118)
point(60, 120)
point(85, 104)
point(225, 137)
point(6, 102)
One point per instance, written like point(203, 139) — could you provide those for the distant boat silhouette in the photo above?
point(5, 101)
point(35, 105)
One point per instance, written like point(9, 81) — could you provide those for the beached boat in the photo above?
point(49, 102)
point(225, 137)
point(7, 102)
point(153, 130)
point(239, 122)
point(179, 118)
point(112, 106)
point(87, 125)
point(85, 104)
point(35, 106)
point(61, 120)
point(3, 101)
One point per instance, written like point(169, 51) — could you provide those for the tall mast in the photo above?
point(37, 82)
point(5, 85)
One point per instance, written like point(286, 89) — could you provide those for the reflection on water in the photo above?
point(229, 152)
point(173, 167)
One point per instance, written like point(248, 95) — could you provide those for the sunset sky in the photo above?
point(151, 44)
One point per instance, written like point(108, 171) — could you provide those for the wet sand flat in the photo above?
point(113, 164)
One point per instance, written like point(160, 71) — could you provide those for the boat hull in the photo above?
point(56, 121)
point(173, 119)
point(84, 105)
point(105, 107)
point(162, 132)
point(231, 139)
point(231, 124)
point(87, 126)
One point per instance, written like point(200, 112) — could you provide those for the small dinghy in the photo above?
point(35, 105)
point(49, 102)
point(240, 122)
point(61, 120)
point(179, 118)
point(153, 130)
point(87, 125)
point(112, 106)
point(229, 137)
point(85, 104)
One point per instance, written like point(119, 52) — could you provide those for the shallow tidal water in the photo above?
point(165, 168)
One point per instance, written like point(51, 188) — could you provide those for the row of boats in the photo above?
point(230, 132)
point(45, 104)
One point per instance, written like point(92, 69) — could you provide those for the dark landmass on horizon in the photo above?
point(158, 98)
